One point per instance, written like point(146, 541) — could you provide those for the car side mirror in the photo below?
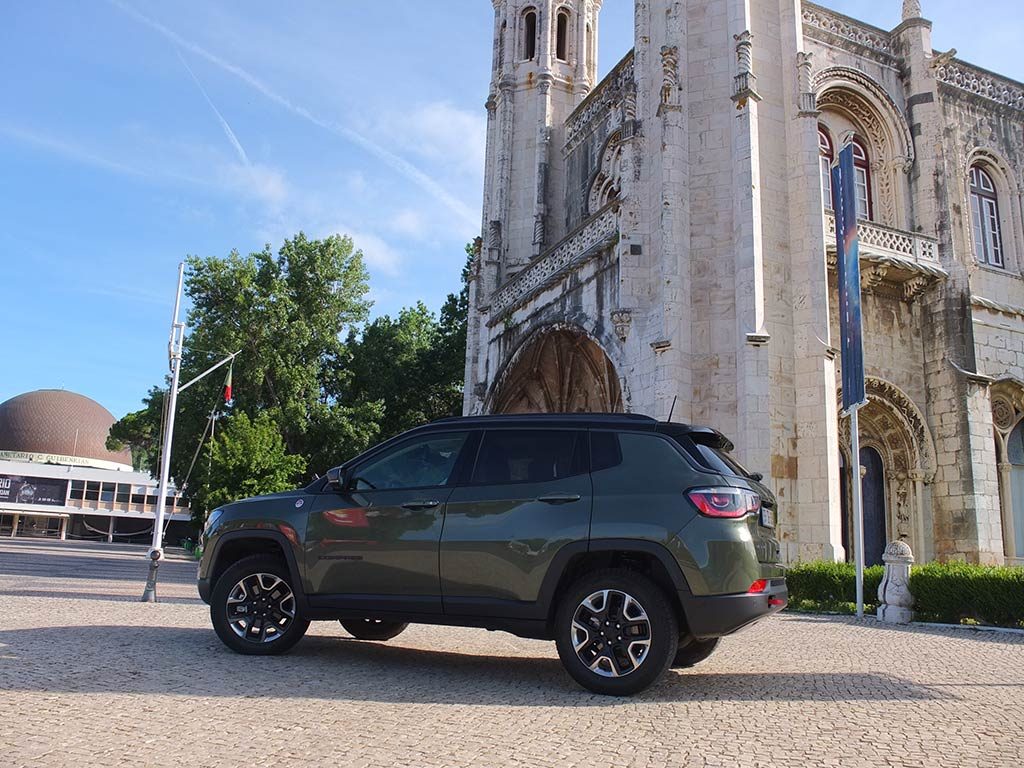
point(335, 479)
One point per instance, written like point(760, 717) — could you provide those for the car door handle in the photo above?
point(559, 498)
point(421, 504)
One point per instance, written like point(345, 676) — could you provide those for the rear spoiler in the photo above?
point(703, 435)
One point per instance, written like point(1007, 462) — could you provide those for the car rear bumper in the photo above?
point(718, 615)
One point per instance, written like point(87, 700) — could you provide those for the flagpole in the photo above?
point(156, 550)
point(858, 509)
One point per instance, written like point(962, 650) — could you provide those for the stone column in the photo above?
point(14, 525)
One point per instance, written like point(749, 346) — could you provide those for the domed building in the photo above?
point(58, 478)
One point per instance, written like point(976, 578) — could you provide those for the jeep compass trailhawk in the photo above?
point(633, 544)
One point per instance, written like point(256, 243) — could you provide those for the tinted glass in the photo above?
point(605, 451)
point(528, 456)
point(425, 462)
point(712, 458)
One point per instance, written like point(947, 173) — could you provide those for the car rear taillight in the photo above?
point(758, 587)
point(725, 502)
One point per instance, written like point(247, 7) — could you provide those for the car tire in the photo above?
point(373, 629)
point(593, 653)
point(692, 651)
point(254, 607)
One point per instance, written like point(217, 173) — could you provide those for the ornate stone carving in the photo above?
point(607, 183)
point(808, 98)
point(558, 370)
point(965, 77)
point(743, 82)
point(915, 286)
point(622, 320)
point(669, 77)
point(895, 600)
point(872, 275)
point(1003, 413)
point(877, 40)
point(585, 241)
point(606, 97)
point(911, 9)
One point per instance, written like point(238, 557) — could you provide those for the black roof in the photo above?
point(633, 421)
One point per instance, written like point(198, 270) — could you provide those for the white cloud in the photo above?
point(442, 133)
point(409, 222)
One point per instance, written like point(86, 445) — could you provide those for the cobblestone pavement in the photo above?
point(91, 677)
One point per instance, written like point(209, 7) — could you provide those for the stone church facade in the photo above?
point(665, 236)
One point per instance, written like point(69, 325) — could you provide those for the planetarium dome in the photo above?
point(55, 426)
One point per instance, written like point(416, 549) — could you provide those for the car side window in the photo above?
point(424, 462)
point(605, 451)
point(529, 456)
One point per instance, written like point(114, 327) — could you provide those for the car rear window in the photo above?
point(711, 458)
point(529, 456)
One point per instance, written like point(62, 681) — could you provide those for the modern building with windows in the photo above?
point(58, 479)
point(663, 241)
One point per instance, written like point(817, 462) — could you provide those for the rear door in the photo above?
point(528, 496)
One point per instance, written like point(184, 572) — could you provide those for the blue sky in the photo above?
point(133, 133)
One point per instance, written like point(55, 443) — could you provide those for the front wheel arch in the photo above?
point(233, 546)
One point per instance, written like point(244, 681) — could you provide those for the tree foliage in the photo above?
point(248, 457)
point(314, 382)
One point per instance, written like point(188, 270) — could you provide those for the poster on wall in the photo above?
point(15, 489)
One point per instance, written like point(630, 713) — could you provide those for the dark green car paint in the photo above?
point(494, 549)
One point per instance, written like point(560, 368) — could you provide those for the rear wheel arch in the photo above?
point(648, 558)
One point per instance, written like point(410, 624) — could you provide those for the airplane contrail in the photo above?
point(393, 161)
point(223, 123)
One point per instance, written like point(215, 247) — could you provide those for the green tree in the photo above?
point(248, 458)
point(287, 313)
point(414, 364)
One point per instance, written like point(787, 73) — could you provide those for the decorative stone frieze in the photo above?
point(669, 78)
point(818, 20)
point(978, 82)
point(618, 88)
point(586, 241)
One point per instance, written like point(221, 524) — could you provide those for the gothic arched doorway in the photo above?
point(559, 370)
point(872, 494)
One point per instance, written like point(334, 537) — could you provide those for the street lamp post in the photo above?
point(156, 550)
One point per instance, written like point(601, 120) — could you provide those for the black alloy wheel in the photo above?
point(254, 608)
point(616, 632)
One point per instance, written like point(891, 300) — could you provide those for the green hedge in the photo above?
point(951, 593)
point(955, 593)
point(831, 587)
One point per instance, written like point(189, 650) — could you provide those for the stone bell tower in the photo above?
point(545, 63)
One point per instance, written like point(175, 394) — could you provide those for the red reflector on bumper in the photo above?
point(776, 601)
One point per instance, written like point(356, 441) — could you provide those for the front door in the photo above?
point(873, 498)
point(380, 535)
point(530, 494)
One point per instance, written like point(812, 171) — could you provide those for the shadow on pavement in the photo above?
point(871, 624)
point(192, 662)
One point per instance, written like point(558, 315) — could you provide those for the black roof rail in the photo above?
point(591, 416)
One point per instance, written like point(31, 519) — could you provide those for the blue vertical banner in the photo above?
point(844, 203)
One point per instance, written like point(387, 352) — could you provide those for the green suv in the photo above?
point(633, 544)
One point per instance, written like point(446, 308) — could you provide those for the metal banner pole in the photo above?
point(858, 510)
point(156, 550)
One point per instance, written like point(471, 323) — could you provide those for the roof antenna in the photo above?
point(670, 410)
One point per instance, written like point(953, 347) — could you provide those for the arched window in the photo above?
point(529, 34)
point(825, 158)
point(988, 243)
point(562, 36)
point(862, 180)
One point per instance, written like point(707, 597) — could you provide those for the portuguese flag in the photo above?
point(227, 383)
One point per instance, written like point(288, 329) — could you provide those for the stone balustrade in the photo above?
point(908, 260)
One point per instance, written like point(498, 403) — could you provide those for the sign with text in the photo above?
point(15, 489)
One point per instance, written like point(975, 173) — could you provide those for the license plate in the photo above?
point(767, 518)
